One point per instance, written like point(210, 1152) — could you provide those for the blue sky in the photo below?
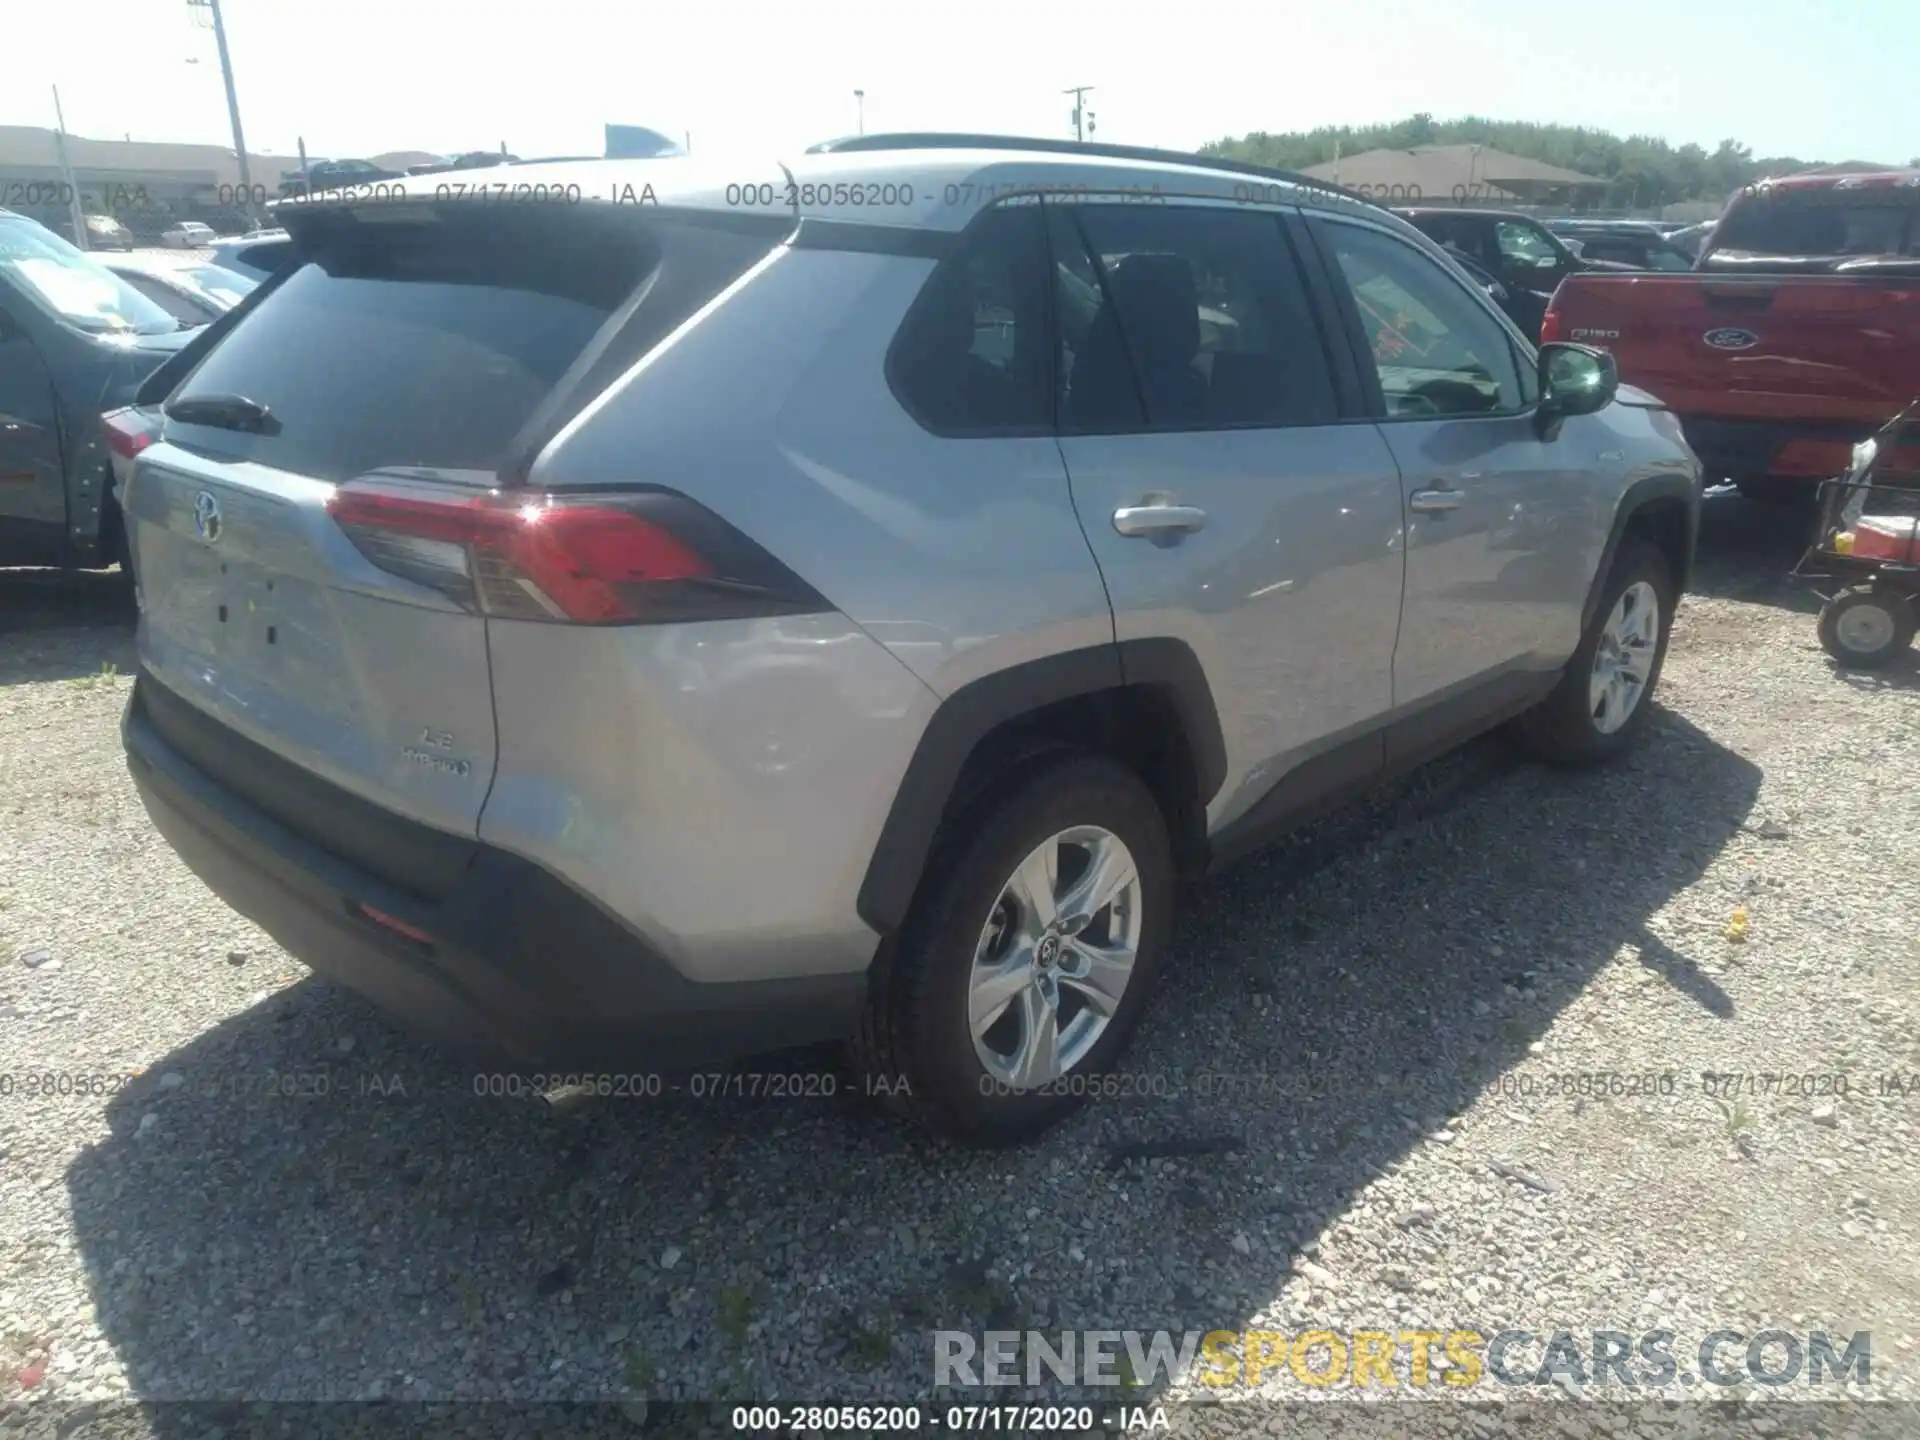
point(357, 77)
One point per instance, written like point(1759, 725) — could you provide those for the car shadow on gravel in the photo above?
point(64, 624)
point(1747, 548)
point(302, 1203)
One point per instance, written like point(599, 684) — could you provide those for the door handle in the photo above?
point(1431, 502)
point(1158, 519)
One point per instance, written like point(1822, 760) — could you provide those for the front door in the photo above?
point(33, 504)
point(1497, 518)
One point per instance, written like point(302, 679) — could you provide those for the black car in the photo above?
point(1625, 242)
point(75, 340)
point(1517, 248)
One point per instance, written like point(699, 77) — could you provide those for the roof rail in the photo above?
point(949, 140)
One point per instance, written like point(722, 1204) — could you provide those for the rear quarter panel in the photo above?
point(961, 557)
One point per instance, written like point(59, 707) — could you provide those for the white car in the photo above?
point(188, 235)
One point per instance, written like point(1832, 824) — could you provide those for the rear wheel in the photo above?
point(1601, 704)
point(1023, 968)
point(1865, 627)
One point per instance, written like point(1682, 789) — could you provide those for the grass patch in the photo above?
point(108, 674)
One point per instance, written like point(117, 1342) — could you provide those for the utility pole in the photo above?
point(233, 101)
point(860, 102)
point(1082, 117)
point(66, 175)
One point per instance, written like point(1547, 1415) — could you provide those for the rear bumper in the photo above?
point(521, 967)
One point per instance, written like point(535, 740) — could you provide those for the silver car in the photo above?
point(673, 612)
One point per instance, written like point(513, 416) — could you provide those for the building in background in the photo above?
point(145, 185)
point(1459, 174)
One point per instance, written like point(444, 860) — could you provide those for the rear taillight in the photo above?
point(1550, 326)
point(608, 558)
point(129, 431)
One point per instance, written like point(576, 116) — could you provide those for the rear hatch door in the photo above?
point(417, 345)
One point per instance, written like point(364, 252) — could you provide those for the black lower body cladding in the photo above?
point(520, 968)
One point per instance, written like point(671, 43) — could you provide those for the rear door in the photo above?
point(33, 501)
point(1500, 524)
point(417, 347)
point(1226, 501)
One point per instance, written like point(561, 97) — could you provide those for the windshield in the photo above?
point(78, 289)
point(1821, 222)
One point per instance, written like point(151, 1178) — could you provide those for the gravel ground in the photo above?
point(1388, 986)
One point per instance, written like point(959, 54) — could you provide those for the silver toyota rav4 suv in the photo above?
point(641, 614)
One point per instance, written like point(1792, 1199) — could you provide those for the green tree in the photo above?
point(1643, 170)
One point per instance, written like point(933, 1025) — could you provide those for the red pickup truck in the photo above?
point(1797, 334)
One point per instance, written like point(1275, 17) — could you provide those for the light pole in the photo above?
point(233, 101)
point(860, 105)
point(66, 175)
point(1082, 117)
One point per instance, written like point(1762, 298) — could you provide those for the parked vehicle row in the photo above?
point(607, 633)
point(1527, 258)
point(78, 334)
point(1632, 243)
point(1796, 338)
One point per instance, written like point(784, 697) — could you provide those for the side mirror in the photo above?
point(1575, 380)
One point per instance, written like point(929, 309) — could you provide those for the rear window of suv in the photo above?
point(434, 341)
point(1822, 222)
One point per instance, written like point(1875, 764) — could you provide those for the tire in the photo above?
point(1572, 726)
point(917, 1046)
point(1865, 627)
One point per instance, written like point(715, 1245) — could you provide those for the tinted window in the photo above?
point(421, 344)
point(1437, 351)
point(1098, 394)
point(1460, 233)
point(1524, 245)
point(1203, 312)
point(1821, 222)
point(971, 357)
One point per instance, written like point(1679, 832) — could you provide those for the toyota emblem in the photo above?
point(206, 516)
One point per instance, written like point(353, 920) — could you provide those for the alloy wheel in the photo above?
point(1055, 957)
point(1623, 659)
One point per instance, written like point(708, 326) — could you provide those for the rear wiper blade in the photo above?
point(225, 412)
